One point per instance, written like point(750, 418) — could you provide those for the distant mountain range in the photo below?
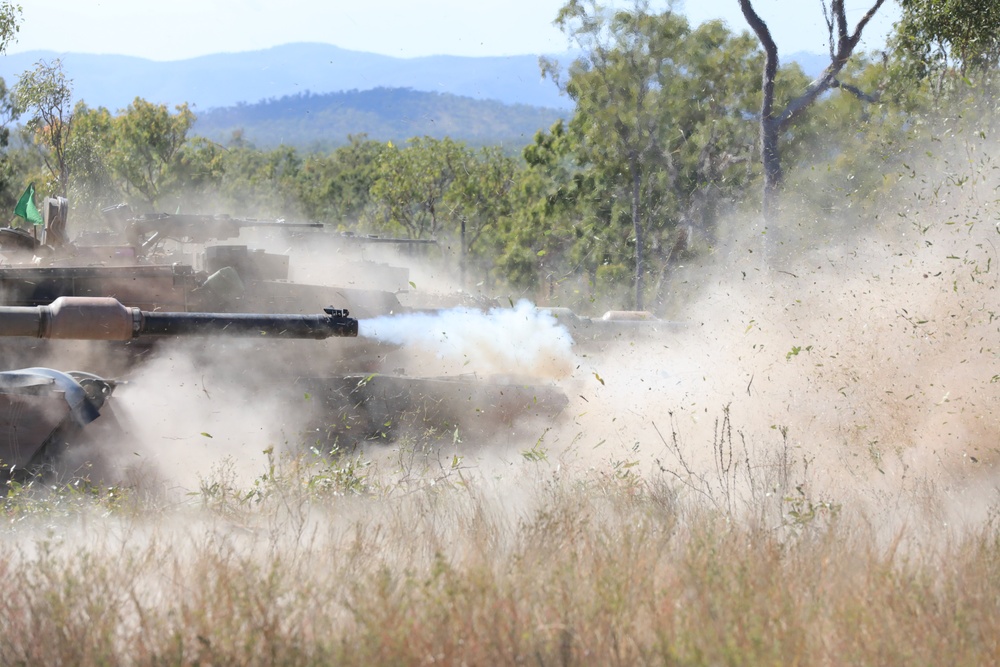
point(226, 79)
point(314, 95)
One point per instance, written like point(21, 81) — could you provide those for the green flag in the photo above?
point(26, 207)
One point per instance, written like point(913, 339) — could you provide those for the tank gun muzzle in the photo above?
point(105, 318)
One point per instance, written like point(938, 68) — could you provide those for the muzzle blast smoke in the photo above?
point(518, 340)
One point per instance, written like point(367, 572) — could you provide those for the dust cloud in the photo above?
point(856, 364)
point(199, 406)
point(859, 367)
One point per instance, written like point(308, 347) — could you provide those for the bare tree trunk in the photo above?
point(637, 227)
point(770, 157)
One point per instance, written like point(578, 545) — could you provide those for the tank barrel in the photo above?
point(104, 318)
point(244, 324)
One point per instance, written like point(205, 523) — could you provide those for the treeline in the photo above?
point(663, 144)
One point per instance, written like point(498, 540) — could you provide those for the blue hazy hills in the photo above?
point(314, 95)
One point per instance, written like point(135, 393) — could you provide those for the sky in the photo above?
point(180, 29)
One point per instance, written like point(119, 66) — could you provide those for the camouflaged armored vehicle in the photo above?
point(164, 263)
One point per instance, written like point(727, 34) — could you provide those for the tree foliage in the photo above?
point(92, 184)
point(8, 188)
point(659, 132)
point(10, 24)
point(934, 37)
point(628, 58)
point(412, 185)
point(148, 141)
point(47, 93)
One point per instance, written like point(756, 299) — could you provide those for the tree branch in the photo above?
point(845, 47)
point(863, 22)
point(828, 18)
point(857, 92)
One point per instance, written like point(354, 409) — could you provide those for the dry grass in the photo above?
point(365, 562)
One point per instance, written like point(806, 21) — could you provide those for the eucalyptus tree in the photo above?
point(538, 240)
point(938, 36)
point(411, 184)
point(92, 182)
point(10, 25)
point(627, 59)
point(10, 188)
point(148, 139)
point(773, 121)
point(659, 124)
point(482, 195)
point(46, 93)
point(335, 188)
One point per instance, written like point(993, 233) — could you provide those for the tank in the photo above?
point(43, 411)
point(178, 263)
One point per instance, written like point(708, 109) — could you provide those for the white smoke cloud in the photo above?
point(518, 340)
